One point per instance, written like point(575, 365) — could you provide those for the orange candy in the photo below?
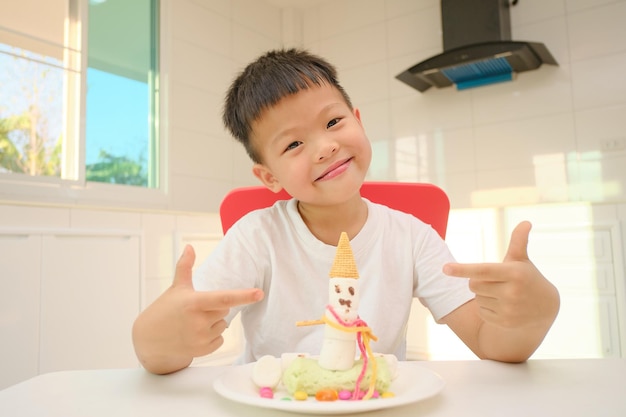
point(326, 395)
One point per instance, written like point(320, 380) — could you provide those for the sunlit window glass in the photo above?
point(38, 71)
point(122, 91)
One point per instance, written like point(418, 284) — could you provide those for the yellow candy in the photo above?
point(388, 394)
point(300, 395)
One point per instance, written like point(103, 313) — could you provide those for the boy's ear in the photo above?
point(266, 177)
point(357, 114)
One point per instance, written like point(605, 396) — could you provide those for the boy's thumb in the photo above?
point(182, 276)
point(518, 246)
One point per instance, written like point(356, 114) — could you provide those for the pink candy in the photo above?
point(344, 394)
point(266, 392)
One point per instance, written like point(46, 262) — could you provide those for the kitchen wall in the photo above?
point(207, 42)
point(553, 135)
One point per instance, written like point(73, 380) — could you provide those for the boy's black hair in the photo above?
point(272, 76)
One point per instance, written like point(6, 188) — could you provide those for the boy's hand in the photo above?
point(183, 323)
point(511, 294)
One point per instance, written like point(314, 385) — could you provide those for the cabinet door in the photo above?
point(89, 300)
point(582, 262)
point(19, 307)
point(586, 327)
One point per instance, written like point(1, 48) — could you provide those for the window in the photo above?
point(75, 115)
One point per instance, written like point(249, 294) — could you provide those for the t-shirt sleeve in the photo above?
point(236, 262)
point(440, 293)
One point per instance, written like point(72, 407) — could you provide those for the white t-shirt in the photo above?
point(398, 257)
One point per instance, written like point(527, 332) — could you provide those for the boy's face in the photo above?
point(312, 145)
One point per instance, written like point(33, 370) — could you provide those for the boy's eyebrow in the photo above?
point(282, 134)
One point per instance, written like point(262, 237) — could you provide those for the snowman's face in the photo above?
point(343, 296)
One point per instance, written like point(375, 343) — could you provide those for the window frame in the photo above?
point(79, 191)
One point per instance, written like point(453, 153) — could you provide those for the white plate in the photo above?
point(414, 383)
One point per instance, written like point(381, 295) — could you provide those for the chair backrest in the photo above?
point(427, 202)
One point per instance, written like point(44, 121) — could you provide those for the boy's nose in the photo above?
point(327, 149)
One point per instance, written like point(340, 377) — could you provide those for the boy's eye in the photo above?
point(293, 145)
point(332, 123)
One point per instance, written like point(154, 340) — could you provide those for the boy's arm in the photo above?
point(183, 323)
point(514, 308)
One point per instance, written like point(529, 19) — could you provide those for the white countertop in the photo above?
point(561, 387)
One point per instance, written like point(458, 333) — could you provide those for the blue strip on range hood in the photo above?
point(479, 73)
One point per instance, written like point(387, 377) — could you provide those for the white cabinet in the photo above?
point(89, 300)
point(19, 307)
point(584, 263)
point(69, 299)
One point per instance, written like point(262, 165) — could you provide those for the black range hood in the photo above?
point(478, 49)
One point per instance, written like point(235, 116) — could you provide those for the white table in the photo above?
point(566, 387)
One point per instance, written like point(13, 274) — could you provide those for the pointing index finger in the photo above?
point(479, 271)
point(218, 300)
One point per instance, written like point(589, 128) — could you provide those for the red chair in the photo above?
point(427, 202)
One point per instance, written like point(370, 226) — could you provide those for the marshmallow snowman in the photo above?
point(338, 350)
point(343, 328)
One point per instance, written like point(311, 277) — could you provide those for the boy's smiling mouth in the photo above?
point(335, 169)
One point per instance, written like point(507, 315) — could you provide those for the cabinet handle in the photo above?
point(14, 236)
point(92, 236)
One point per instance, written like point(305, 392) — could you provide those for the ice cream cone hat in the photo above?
point(344, 265)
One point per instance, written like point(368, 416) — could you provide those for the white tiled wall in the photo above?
point(208, 43)
point(542, 138)
point(534, 140)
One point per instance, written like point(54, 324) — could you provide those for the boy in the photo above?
point(303, 135)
